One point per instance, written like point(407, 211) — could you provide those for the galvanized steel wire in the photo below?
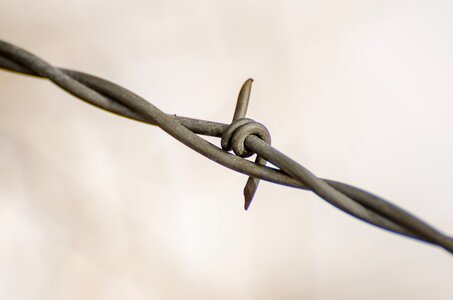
point(243, 135)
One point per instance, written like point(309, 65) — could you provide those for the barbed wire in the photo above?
point(244, 136)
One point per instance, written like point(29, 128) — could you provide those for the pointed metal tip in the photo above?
point(243, 99)
point(248, 201)
point(252, 184)
point(244, 92)
point(246, 86)
point(249, 191)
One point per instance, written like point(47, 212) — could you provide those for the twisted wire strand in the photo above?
point(116, 99)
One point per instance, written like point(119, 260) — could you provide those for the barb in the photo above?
point(236, 125)
point(244, 136)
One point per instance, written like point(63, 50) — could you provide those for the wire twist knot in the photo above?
point(233, 138)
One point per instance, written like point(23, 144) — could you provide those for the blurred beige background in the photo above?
point(94, 206)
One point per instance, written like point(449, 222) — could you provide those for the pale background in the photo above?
point(94, 206)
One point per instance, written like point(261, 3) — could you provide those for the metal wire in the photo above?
point(244, 136)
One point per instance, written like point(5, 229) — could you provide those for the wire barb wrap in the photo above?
point(233, 138)
point(118, 100)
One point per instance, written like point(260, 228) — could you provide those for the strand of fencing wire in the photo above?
point(114, 98)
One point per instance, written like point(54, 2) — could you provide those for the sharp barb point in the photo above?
point(249, 191)
point(252, 184)
point(243, 100)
